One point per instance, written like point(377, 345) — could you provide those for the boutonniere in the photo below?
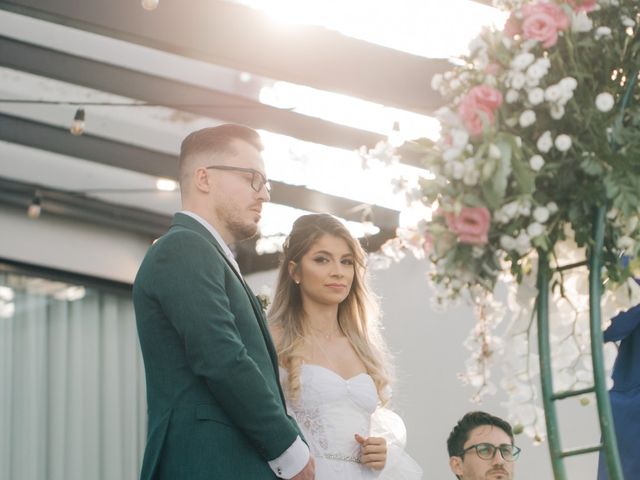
point(264, 297)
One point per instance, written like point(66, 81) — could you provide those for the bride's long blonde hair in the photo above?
point(358, 314)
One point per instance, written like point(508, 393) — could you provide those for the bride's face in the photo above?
point(325, 273)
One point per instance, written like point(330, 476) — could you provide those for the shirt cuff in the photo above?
point(292, 461)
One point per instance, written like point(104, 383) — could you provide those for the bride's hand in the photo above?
point(373, 451)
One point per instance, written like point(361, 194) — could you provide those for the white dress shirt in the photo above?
point(295, 458)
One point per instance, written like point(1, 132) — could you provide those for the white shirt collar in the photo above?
point(225, 248)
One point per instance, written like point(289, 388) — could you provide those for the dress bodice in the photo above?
point(331, 409)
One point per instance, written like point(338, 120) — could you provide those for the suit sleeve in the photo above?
point(191, 289)
point(622, 325)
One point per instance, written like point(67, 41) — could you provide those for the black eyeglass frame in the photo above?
point(263, 181)
point(515, 451)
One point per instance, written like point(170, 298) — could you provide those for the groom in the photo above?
point(215, 406)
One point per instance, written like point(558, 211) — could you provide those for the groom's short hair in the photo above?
point(460, 433)
point(213, 141)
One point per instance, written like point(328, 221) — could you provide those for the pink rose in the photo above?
point(486, 96)
point(471, 226)
point(543, 21)
point(474, 115)
point(582, 5)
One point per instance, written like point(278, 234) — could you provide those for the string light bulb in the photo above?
point(150, 5)
point(77, 127)
point(395, 138)
point(35, 207)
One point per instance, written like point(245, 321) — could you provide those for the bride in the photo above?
point(334, 366)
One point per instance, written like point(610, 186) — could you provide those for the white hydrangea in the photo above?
point(536, 96)
point(602, 32)
point(604, 101)
point(552, 207)
point(507, 243)
point(535, 229)
point(544, 142)
point(523, 243)
point(536, 162)
point(541, 214)
point(553, 93)
point(511, 96)
point(522, 61)
point(563, 142)
point(527, 118)
point(556, 111)
point(517, 80)
point(627, 22)
point(568, 84)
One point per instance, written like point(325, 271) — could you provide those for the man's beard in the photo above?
point(241, 231)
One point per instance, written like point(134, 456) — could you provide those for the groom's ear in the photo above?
point(455, 463)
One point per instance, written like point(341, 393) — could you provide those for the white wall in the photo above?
point(72, 246)
point(427, 345)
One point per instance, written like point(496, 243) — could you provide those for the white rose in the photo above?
point(517, 80)
point(536, 162)
point(544, 143)
point(511, 96)
point(507, 243)
point(604, 101)
point(522, 61)
point(454, 84)
point(536, 96)
point(552, 207)
point(556, 111)
point(553, 93)
point(603, 32)
point(527, 118)
point(563, 142)
point(627, 22)
point(532, 82)
point(436, 81)
point(581, 22)
point(535, 230)
point(541, 214)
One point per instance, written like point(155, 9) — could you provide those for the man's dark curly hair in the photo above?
point(460, 433)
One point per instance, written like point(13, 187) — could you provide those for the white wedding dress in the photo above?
point(331, 410)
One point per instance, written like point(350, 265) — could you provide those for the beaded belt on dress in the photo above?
point(340, 456)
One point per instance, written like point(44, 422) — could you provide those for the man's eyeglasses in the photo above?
point(487, 451)
point(258, 180)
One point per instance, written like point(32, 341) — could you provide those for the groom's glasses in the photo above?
point(487, 451)
point(258, 180)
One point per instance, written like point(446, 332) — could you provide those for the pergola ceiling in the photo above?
point(187, 56)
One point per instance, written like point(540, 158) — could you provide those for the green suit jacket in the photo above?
point(215, 406)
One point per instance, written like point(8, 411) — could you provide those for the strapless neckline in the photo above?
point(334, 373)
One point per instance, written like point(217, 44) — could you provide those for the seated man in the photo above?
point(473, 448)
